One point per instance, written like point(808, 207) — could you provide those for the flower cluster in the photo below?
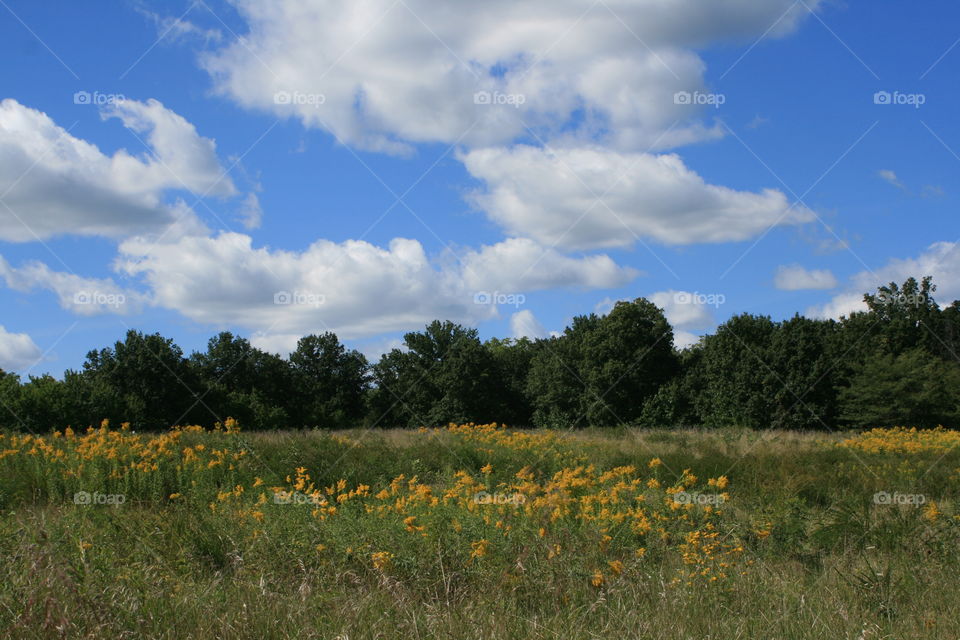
point(904, 440)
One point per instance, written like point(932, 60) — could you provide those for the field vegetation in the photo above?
point(477, 531)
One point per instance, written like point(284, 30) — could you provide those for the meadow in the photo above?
point(478, 531)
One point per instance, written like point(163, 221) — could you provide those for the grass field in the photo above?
point(480, 532)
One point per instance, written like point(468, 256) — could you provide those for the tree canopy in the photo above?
point(894, 363)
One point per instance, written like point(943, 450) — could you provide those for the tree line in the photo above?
point(894, 364)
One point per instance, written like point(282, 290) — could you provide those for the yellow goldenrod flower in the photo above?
point(381, 559)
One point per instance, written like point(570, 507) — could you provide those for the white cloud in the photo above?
point(178, 29)
point(796, 278)
point(523, 324)
point(83, 296)
point(687, 312)
point(842, 304)
point(683, 309)
point(380, 74)
point(282, 344)
point(251, 214)
point(55, 183)
point(376, 349)
point(183, 159)
point(889, 176)
point(17, 351)
point(683, 339)
point(520, 264)
point(940, 260)
point(590, 197)
point(353, 288)
point(606, 305)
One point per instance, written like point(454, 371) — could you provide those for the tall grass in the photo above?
point(479, 532)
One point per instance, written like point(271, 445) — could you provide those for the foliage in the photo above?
point(894, 363)
point(913, 388)
point(674, 534)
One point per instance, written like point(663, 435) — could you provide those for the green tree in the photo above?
point(602, 370)
point(243, 382)
point(804, 390)
point(444, 375)
point(737, 373)
point(330, 382)
point(511, 369)
point(555, 385)
point(679, 402)
point(910, 389)
point(10, 400)
point(898, 318)
point(145, 380)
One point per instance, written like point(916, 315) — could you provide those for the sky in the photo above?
point(290, 167)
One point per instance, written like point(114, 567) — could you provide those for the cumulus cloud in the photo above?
point(54, 183)
point(523, 324)
point(354, 288)
point(83, 296)
point(684, 309)
point(17, 351)
point(182, 158)
point(520, 264)
point(940, 260)
point(796, 278)
point(687, 312)
point(381, 75)
point(588, 198)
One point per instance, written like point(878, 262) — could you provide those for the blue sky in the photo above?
point(339, 153)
